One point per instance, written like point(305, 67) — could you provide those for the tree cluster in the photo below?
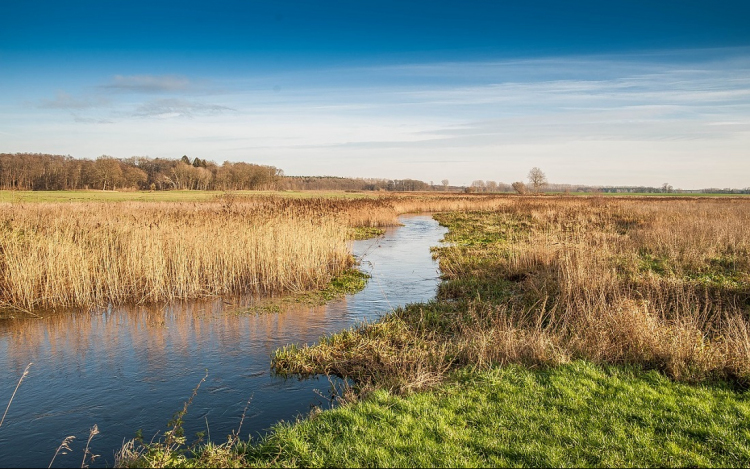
point(489, 186)
point(354, 184)
point(36, 171)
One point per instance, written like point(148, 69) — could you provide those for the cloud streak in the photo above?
point(167, 108)
point(68, 102)
point(148, 84)
point(613, 119)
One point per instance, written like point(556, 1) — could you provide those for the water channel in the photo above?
point(126, 369)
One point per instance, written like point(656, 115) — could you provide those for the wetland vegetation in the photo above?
point(567, 331)
point(589, 331)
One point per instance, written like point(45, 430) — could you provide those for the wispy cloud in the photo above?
point(89, 120)
point(627, 118)
point(166, 108)
point(149, 83)
point(66, 101)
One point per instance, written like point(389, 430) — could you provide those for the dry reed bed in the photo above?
point(655, 282)
point(82, 254)
point(54, 255)
point(660, 283)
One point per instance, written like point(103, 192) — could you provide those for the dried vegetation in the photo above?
point(661, 284)
point(55, 255)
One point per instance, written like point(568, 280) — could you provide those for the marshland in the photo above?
point(598, 330)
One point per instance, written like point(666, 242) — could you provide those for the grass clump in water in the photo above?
point(349, 282)
point(365, 232)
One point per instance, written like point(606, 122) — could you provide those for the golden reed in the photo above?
point(59, 255)
point(660, 283)
point(81, 254)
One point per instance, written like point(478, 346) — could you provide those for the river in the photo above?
point(126, 369)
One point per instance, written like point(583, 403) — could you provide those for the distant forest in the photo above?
point(43, 172)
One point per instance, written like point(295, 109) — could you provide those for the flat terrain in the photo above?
point(207, 196)
point(156, 196)
point(575, 415)
point(567, 332)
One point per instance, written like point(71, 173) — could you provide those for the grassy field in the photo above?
point(576, 415)
point(568, 331)
point(159, 196)
point(651, 194)
point(663, 284)
point(82, 254)
point(207, 196)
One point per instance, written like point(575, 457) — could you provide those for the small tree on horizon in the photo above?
point(537, 179)
point(519, 187)
point(445, 184)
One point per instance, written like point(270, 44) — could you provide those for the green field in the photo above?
point(577, 415)
point(154, 196)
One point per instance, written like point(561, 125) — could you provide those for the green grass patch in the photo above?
point(576, 415)
point(348, 282)
point(365, 232)
point(156, 196)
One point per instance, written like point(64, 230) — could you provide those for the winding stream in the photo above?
point(126, 369)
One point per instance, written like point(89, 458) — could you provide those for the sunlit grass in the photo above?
point(576, 415)
point(570, 416)
point(157, 196)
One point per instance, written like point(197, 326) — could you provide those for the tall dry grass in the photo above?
point(658, 283)
point(81, 254)
point(59, 255)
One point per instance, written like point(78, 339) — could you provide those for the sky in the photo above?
point(592, 92)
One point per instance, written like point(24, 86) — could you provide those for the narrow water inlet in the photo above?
point(126, 369)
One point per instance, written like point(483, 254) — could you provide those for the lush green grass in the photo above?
point(574, 415)
point(365, 232)
point(155, 196)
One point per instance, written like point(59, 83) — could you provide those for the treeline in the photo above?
point(35, 171)
point(668, 190)
point(353, 184)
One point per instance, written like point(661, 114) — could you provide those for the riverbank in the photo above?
point(137, 364)
point(561, 336)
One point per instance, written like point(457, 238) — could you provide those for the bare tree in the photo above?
point(478, 185)
point(445, 184)
point(491, 186)
point(537, 179)
point(519, 187)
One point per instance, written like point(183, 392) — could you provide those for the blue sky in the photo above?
point(592, 92)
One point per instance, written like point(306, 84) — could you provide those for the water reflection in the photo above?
point(131, 368)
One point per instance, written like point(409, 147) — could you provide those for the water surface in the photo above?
point(126, 369)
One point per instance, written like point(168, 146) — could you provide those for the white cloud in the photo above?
point(148, 83)
point(64, 100)
point(166, 108)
